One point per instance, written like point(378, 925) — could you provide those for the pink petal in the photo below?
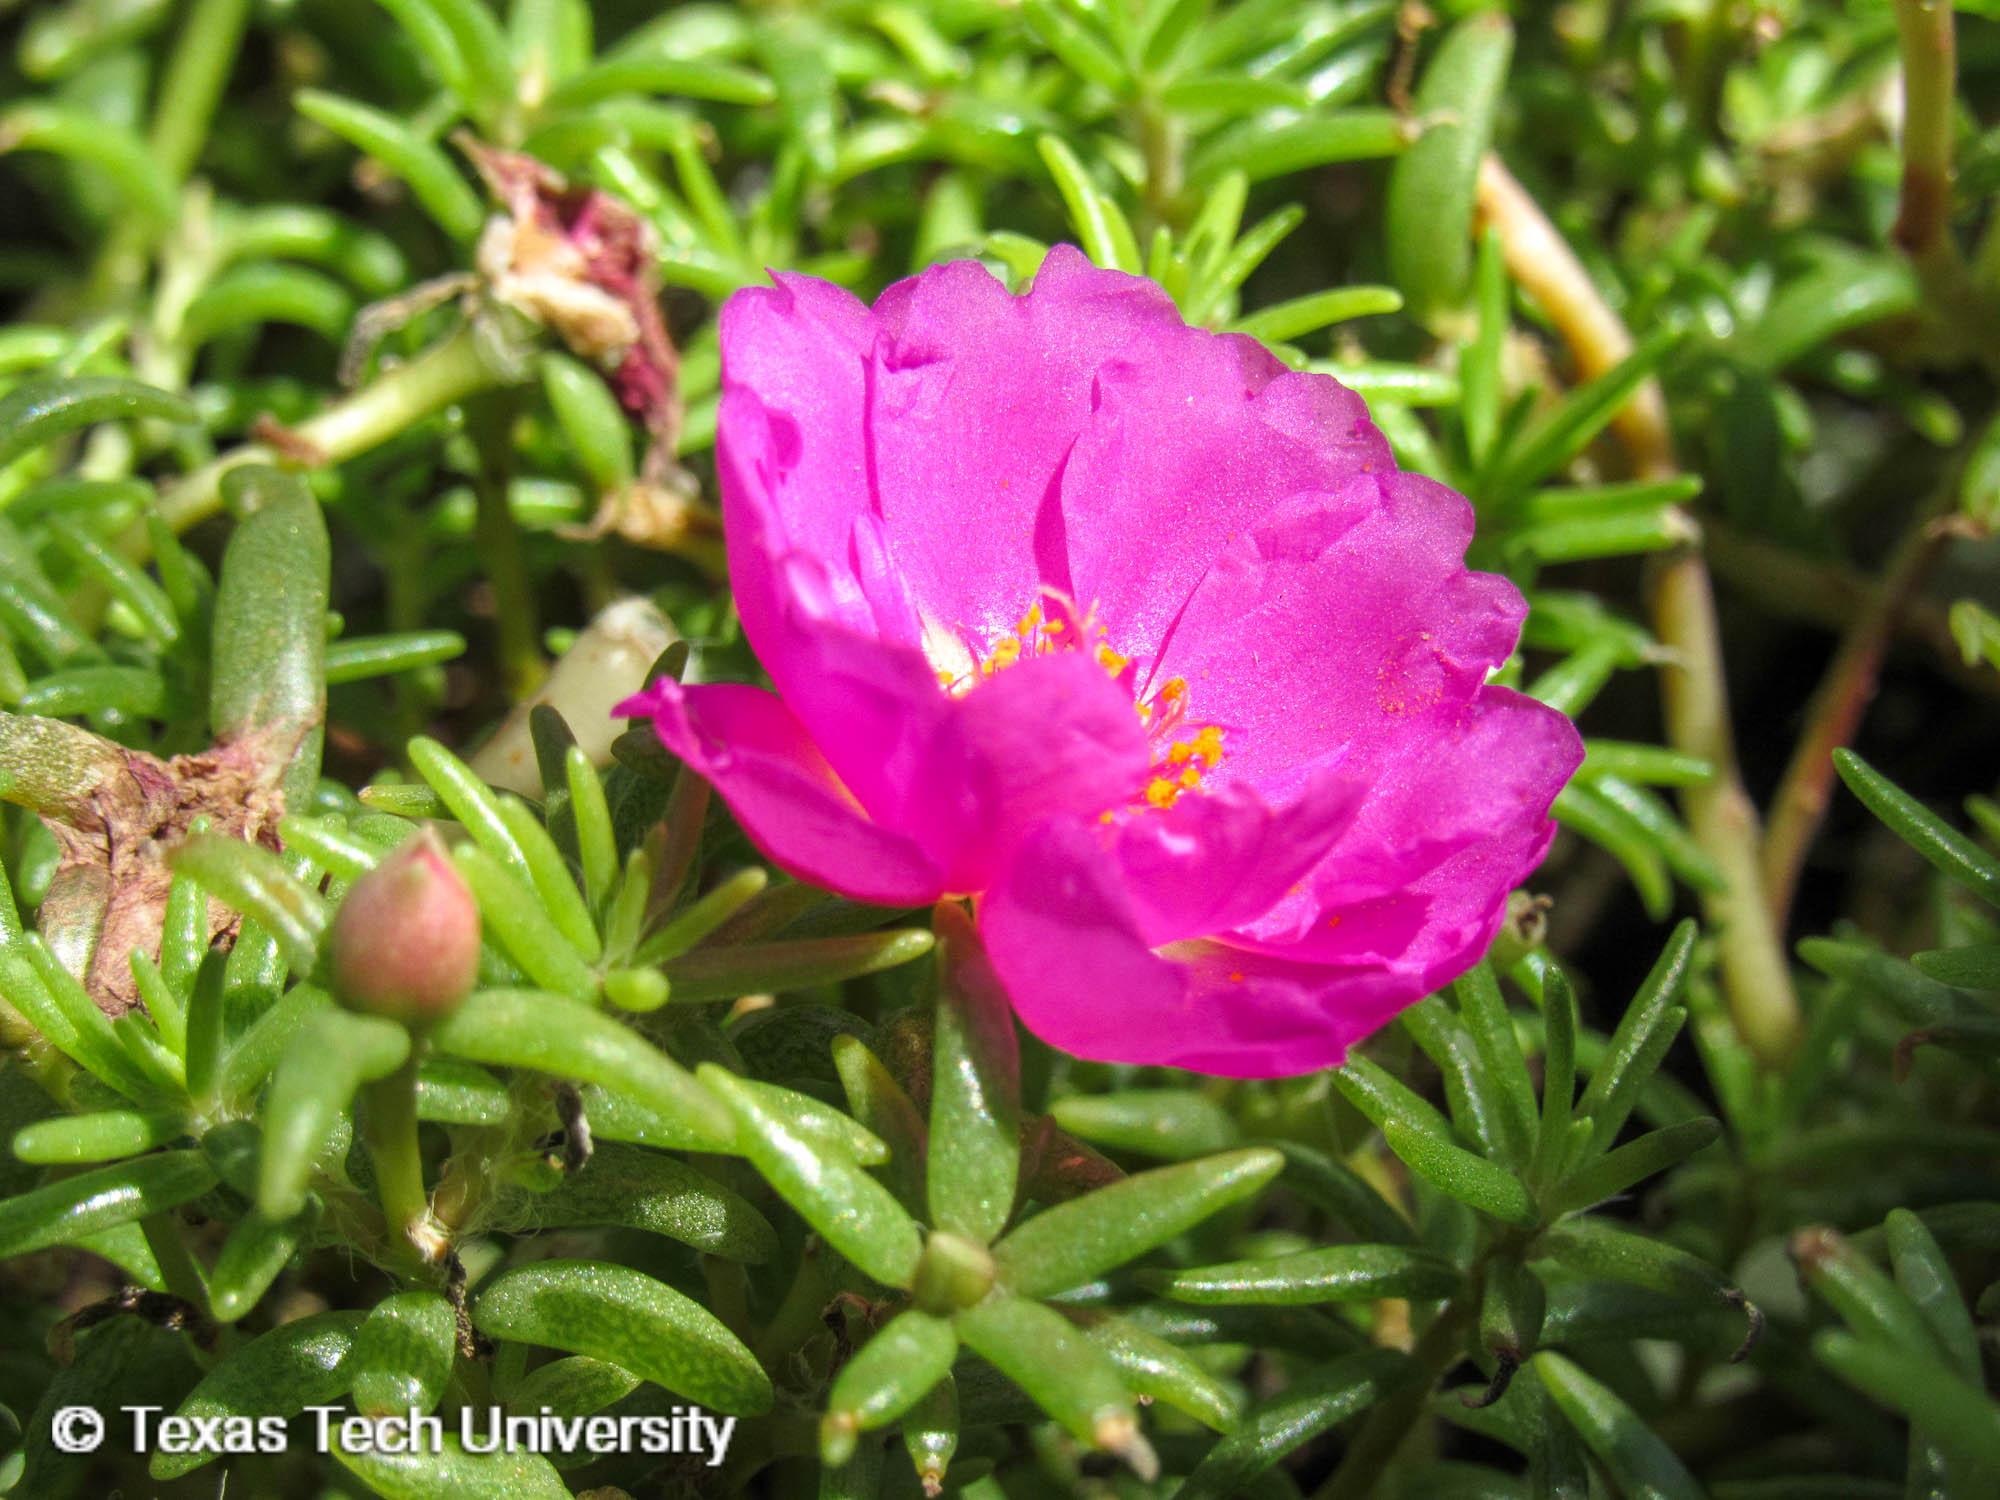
point(976, 397)
point(1441, 838)
point(1064, 938)
point(1337, 626)
point(1192, 443)
point(1216, 860)
point(1051, 736)
point(783, 792)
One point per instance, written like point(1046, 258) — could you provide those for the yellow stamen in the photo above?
point(1029, 621)
point(1173, 688)
point(1162, 792)
point(1191, 777)
point(1006, 651)
point(1110, 660)
point(1180, 752)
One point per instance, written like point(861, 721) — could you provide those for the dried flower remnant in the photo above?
point(114, 812)
point(1134, 635)
point(580, 262)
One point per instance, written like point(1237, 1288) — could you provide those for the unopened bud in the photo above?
point(405, 942)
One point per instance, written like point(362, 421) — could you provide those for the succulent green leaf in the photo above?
point(857, 1215)
point(1638, 1462)
point(280, 1373)
point(1458, 1173)
point(268, 689)
point(639, 1189)
point(880, 1106)
point(1951, 852)
point(1049, 1357)
point(1173, 1124)
point(554, 1035)
point(1428, 212)
point(433, 179)
point(572, 1387)
point(1335, 1273)
point(329, 1059)
point(1067, 1245)
point(1154, 1369)
point(402, 1354)
point(257, 1250)
point(895, 1369)
point(38, 412)
point(107, 1135)
point(724, 972)
point(1308, 1407)
point(620, 1315)
point(1923, 1388)
point(453, 1471)
point(975, 1126)
point(256, 882)
point(67, 1210)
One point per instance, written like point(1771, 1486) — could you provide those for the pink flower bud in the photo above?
point(405, 942)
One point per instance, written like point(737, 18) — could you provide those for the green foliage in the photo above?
point(311, 522)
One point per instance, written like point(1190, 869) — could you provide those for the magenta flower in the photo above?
point(1133, 635)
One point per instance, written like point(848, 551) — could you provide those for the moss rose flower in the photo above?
point(1130, 633)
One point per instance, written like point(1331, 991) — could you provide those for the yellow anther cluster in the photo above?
point(1186, 760)
point(1196, 755)
point(1205, 745)
point(1006, 651)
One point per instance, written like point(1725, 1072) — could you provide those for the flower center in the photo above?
point(1183, 751)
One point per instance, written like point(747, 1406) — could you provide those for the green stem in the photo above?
point(1693, 685)
point(178, 1270)
point(499, 540)
point(1969, 321)
point(401, 398)
point(191, 86)
point(1929, 53)
point(1376, 1444)
point(389, 1129)
point(196, 73)
point(1817, 591)
point(1162, 142)
point(1694, 698)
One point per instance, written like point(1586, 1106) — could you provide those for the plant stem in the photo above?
point(1693, 692)
point(1968, 320)
point(401, 398)
point(196, 73)
point(1376, 1444)
point(499, 541)
point(1929, 52)
point(1162, 141)
point(1829, 594)
point(191, 85)
point(1693, 686)
point(1838, 704)
point(389, 1129)
point(1541, 261)
point(178, 1270)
